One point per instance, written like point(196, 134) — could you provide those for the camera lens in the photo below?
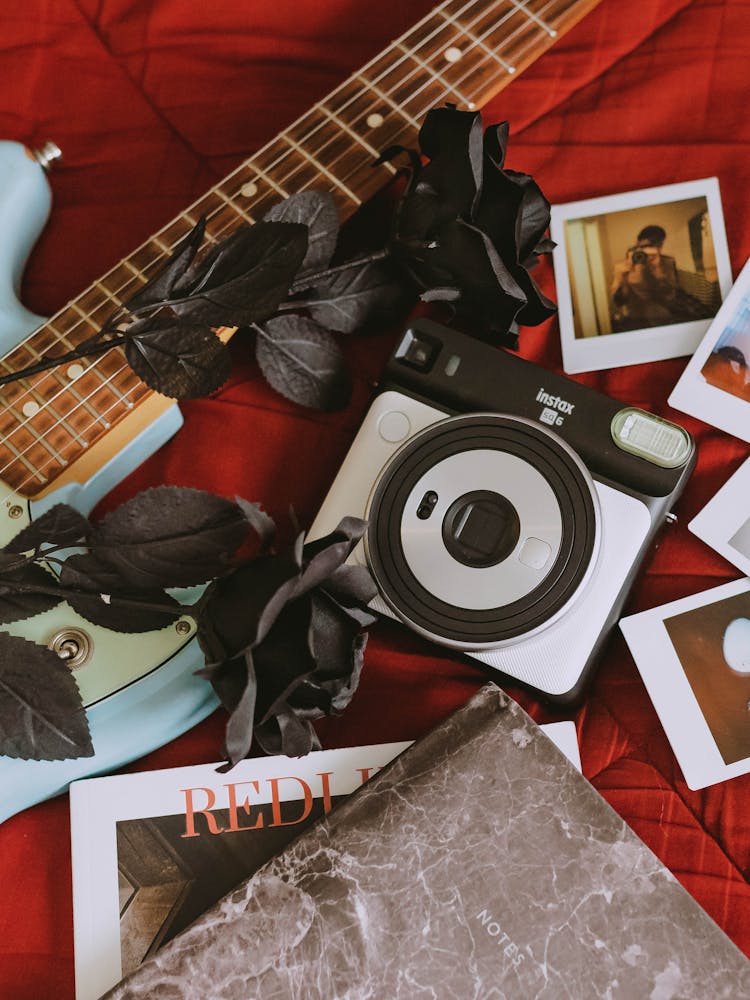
point(481, 528)
point(509, 544)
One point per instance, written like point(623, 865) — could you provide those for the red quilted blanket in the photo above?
point(154, 102)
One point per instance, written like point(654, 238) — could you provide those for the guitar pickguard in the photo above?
point(140, 690)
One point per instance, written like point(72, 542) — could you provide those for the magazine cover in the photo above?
point(479, 864)
point(154, 850)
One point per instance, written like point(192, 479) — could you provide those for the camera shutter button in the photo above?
point(394, 426)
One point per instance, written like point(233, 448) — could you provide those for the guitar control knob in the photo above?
point(47, 154)
point(72, 645)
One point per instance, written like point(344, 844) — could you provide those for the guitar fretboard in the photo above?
point(463, 52)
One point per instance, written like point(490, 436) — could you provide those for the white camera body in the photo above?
point(487, 531)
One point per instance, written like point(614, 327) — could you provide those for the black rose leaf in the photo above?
point(159, 288)
point(41, 713)
point(25, 590)
point(97, 592)
point(303, 362)
point(244, 278)
point(179, 360)
point(170, 536)
point(317, 211)
point(348, 299)
point(259, 521)
point(60, 526)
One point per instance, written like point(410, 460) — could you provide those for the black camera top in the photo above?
point(619, 444)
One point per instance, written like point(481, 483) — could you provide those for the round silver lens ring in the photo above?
point(567, 563)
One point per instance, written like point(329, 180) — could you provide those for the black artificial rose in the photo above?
point(283, 637)
point(467, 229)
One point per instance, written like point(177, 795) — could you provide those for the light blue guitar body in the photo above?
point(140, 691)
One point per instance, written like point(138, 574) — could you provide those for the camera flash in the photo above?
point(653, 438)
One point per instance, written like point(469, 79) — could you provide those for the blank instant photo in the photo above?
point(715, 386)
point(640, 276)
point(694, 658)
point(724, 523)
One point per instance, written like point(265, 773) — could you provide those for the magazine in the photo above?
point(479, 864)
point(153, 850)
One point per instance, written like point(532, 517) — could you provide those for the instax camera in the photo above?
point(508, 507)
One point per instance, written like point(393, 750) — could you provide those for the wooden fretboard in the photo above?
point(463, 52)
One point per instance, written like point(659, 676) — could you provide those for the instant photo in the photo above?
point(694, 658)
point(640, 276)
point(724, 523)
point(715, 386)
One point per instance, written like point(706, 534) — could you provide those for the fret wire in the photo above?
point(533, 17)
point(70, 386)
point(508, 37)
point(347, 162)
point(276, 186)
point(478, 42)
point(44, 405)
point(106, 382)
point(384, 97)
point(230, 202)
point(357, 138)
point(167, 249)
point(450, 89)
point(71, 346)
point(221, 194)
point(136, 270)
point(518, 31)
point(24, 422)
point(39, 475)
point(110, 295)
point(128, 403)
point(85, 316)
point(319, 166)
point(21, 457)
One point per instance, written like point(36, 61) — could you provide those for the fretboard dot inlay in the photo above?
point(334, 144)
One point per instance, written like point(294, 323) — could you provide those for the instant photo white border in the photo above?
point(98, 804)
point(669, 689)
point(724, 515)
point(694, 395)
point(585, 354)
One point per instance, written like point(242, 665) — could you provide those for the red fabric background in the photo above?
point(152, 103)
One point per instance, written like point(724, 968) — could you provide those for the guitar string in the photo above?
point(83, 401)
point(111, 294)
point(233, 221)
point(229, 203)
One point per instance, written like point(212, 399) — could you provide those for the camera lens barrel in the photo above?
point(506, 542)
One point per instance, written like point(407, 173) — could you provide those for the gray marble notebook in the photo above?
point(480, 864)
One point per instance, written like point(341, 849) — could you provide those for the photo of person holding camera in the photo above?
point(645, 287)
point(651, 264)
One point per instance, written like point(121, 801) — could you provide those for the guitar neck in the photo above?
point(463, 53)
